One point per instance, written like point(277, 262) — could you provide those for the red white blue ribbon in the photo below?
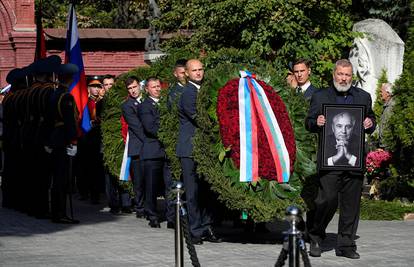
point(126, 162)
point(254, 106)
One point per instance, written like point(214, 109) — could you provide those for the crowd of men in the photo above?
point(149, 163)
point(40, 127)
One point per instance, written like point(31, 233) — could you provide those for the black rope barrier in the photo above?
point(282, 258)
point(187, 236)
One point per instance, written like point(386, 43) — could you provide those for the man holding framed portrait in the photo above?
point(341, 115)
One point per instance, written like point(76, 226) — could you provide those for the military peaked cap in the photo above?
point(14, 75)
point(47, 65)
point(68, 69)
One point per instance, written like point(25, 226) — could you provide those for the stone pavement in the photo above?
point(103, 239)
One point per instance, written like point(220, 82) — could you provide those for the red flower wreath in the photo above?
point(228, 115)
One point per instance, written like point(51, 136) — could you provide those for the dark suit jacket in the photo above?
point(174, 94)
point(187, 113)
point(328, 96)
point(136, 132)
point(309, 92)
point(150, 118)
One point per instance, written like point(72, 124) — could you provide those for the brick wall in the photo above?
point(18, 42)
point(107, 62)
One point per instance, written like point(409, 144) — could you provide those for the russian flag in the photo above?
point(73, 54)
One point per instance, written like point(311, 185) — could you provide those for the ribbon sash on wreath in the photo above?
point(124, 174)
point(254, 106)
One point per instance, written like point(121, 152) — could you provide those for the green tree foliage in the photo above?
point(394, 12)
point(378, 102)
point(96, 14)
point(403, 119)
point(402, 122)
point(270, 29)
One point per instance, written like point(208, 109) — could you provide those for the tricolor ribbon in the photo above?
point(126, 162)
point(254, 106)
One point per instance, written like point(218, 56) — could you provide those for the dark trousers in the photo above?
point(111, 190)
point(345, 187)
point(199, 220)
point(90, 169)
point(116, 195)
point(41, 187)
point(137, 176)
point(60, 182)
point(157, 178)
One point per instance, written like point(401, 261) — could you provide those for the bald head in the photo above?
point(194, 70)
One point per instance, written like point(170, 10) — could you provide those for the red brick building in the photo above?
point(105, 51)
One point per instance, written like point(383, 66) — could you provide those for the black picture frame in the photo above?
point(341, 144)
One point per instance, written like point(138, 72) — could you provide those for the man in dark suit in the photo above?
point(199, 220)
point(136, 138)
point(302, 71)
point(342, 145)
point(153, 155)
point(343, 185)
point(177, 89)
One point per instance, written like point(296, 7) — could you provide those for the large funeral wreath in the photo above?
point(216, 153)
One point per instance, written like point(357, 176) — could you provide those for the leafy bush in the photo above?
point(384, 210)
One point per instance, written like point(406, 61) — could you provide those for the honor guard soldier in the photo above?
point(62, 143)
point(44, 82)
point(10, 177)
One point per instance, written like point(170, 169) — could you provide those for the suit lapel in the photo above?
point(153, 105)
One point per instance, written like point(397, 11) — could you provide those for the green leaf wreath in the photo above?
point(263, 200)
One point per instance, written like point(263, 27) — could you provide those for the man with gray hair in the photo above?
point(341, 186)
point(386, 96)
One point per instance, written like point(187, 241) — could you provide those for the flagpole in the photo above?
point(40, 50)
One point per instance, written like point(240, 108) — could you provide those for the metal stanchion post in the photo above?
point(178, 190)
point(292, 216)
point(293, 246)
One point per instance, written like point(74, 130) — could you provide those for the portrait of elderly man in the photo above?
point(342, 145)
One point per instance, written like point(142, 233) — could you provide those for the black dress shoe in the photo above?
point(126, 210)
point(140, 215)
point(348, 254)
point(211, 237)
point(315, 250)
point(154, 224)
point(196, 240)
point(114, 211)
point(170, 225)
point(65, 220)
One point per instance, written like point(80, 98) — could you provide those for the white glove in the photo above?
point(48, 149)
point(71, 150)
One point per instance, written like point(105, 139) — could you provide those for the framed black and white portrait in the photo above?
point(341, 144)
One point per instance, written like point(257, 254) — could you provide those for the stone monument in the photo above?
point(379, 48)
